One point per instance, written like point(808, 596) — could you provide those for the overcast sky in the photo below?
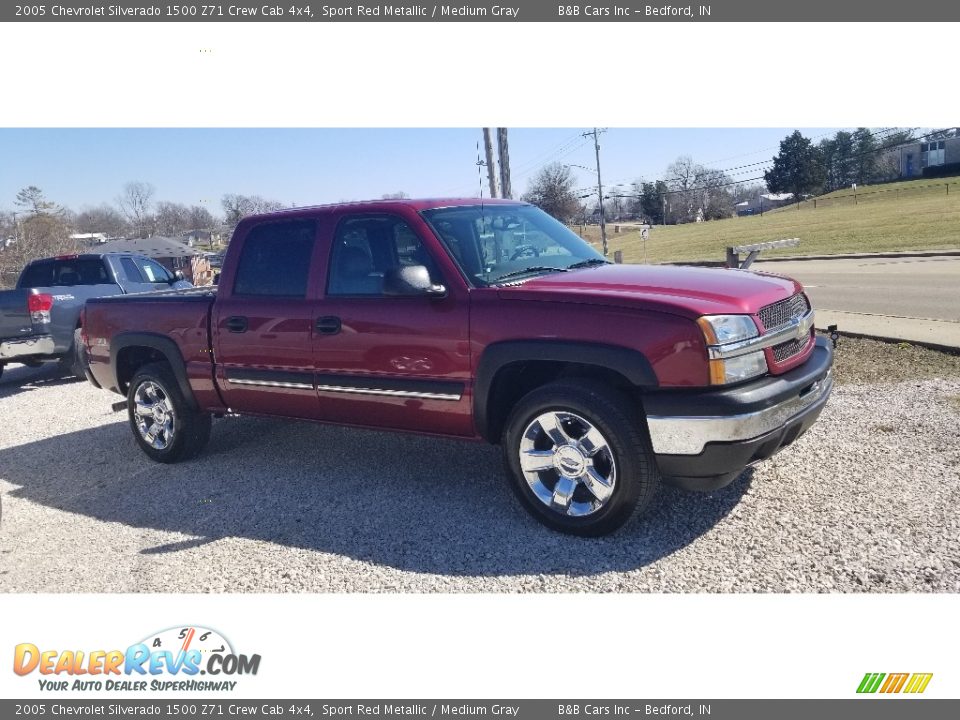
point(84, 167)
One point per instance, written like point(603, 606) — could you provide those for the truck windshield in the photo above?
point(500, 243)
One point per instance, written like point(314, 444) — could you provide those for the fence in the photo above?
point(865, 197)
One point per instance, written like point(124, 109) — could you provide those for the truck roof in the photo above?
point(385, 205)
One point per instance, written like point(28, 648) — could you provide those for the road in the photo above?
point(883, 296)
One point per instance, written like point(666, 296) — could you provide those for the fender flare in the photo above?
point(162, 344)
point(631, 364)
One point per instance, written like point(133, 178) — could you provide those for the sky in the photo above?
point(79, 168)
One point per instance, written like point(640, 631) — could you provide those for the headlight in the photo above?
point(723, 329)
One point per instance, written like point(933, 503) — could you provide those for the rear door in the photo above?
point(390, 361)
point(263, 321)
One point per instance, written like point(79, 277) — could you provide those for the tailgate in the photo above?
point(14, 315)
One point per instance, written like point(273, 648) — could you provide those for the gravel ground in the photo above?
point(867, 501)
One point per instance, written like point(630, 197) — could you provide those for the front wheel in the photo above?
point(166, 428)
point(578, 457)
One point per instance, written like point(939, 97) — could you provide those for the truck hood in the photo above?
point(686, 291)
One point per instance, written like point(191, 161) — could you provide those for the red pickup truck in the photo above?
point(479, 320)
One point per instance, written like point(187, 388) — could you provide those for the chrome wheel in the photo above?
point(154, 416)
point(567, 463)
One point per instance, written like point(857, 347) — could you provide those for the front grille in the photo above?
point(780, 313)
point(786, 350)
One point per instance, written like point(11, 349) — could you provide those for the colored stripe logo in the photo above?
point(913, 683)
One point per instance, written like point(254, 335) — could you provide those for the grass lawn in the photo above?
point(913, 215)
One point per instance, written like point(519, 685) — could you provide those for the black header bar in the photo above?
point(507, 11)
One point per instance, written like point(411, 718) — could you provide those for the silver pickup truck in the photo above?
point(40, 318)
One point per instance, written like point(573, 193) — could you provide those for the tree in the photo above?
point(41, 230)
point(552, 191)
point(399, 195)
point(650, 200)
point(170, 218)
point(697, 192)
point(797, 168)
point(199, 218)
point(865, 154)
point(836, 159)
point(236, 207)
point(135, 204)
point(101, 219)
point(32, 200)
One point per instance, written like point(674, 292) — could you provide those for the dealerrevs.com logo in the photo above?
point(172, 659)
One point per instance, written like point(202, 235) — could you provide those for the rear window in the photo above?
point(65, 273)
point(275, 259)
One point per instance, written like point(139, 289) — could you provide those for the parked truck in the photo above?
point(482, 320)
point(40, 318)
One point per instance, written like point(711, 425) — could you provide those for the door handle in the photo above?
point(328, 325)
point(237, 324)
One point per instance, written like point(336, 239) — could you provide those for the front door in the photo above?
point(392, 361)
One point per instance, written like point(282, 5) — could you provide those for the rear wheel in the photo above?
point(165, 426)
point(578, 457)
point(72, 363)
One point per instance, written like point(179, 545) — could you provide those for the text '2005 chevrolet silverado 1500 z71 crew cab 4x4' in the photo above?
point(479, 320)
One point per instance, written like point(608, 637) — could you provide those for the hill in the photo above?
point(910, 215)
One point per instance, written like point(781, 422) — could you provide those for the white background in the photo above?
point(393, 75)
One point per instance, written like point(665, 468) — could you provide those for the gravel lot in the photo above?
point(867, 501)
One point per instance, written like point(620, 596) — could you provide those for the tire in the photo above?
point(164, 425)
point(72, 363)
point(574, 436)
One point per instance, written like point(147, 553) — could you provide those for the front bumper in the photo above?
point(33, 346)
point(704, 439)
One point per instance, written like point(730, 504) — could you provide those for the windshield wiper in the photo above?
point(535, 268)
point(588, 263)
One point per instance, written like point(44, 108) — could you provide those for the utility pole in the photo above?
point(506, 191)
point(603, 222)
point(491, 168)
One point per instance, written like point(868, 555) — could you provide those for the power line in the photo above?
point(728, 171)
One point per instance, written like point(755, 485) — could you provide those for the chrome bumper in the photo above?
point(14, 348)
point(689, 435)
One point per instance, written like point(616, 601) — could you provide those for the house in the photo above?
point(169, 252)
point(931, 158)
point(89, 238)
point(762, 203)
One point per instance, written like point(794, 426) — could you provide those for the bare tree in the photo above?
point(236, 207)
point(135, 204)
point(552, 191)
point(171, 219)
point(399, 195)
point(696, 192)
point(199, 218)
point(101, 219)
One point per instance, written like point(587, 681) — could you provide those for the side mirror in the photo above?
point(178, 275)
point(216, 278)
point(410, 280)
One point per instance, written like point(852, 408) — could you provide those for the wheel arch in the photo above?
point(508, 370)
point(131, 351)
